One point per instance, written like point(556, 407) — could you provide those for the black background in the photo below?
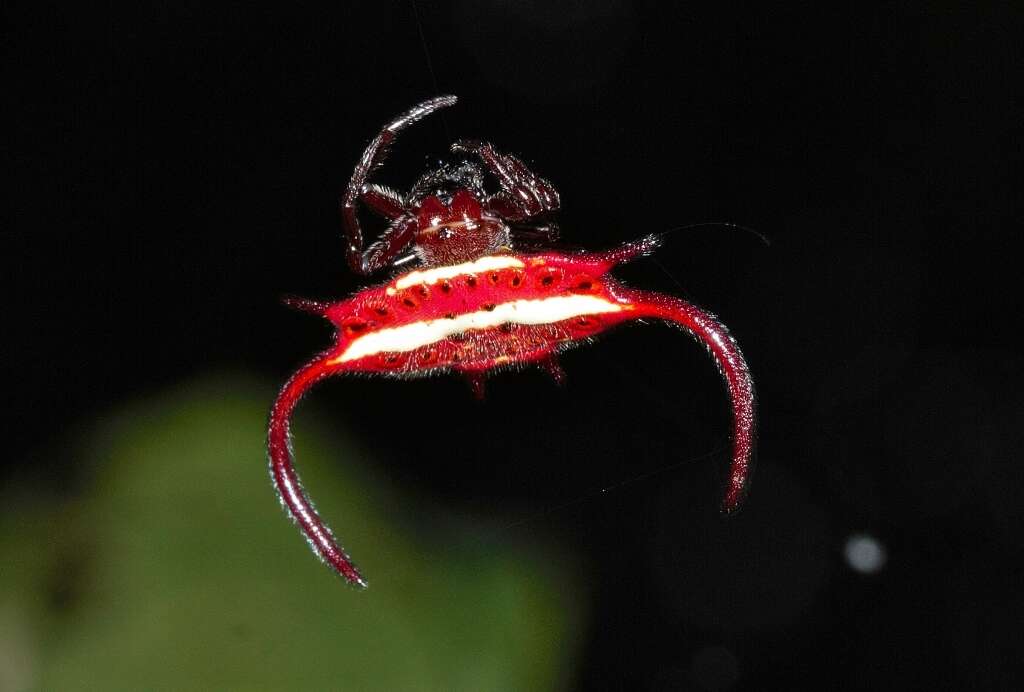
point(177, 170)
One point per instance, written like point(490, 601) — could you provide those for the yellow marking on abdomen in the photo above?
point(432, 276)
point(415, 335)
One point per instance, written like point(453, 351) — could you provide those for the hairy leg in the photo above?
point(524, 194)
point(372, 158)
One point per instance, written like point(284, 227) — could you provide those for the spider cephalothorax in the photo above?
point(447, 216)
point(474, 305)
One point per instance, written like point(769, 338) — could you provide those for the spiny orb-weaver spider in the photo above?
point(474, 305)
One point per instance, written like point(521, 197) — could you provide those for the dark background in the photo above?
point(177, 170)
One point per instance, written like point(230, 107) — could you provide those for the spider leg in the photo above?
point(523, 194)
point(539, 235)
point(286, 480)
point(372, 158)
point(390, 244)
point(383, 200)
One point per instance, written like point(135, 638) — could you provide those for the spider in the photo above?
point(473, 304)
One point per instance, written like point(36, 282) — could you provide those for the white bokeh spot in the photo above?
point(865, 554)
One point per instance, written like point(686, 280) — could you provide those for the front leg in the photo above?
point(366, 262)
point(542, 235)
point(381, 253)
point(383, 200)
point(524, 194)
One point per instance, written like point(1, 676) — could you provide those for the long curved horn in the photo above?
point(286, 480)
point(714, 335)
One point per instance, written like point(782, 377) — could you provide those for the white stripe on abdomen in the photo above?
point(412, 336)
point(432, 276)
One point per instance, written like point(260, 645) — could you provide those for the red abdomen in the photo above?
point(493, 311)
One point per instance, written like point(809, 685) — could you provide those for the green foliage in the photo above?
point(177, 569)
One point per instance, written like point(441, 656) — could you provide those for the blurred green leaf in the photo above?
point(178, 570)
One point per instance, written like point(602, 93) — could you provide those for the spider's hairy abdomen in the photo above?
point(494, 312)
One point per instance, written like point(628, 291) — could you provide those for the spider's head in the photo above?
point(453, 224)
point(453, 227)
